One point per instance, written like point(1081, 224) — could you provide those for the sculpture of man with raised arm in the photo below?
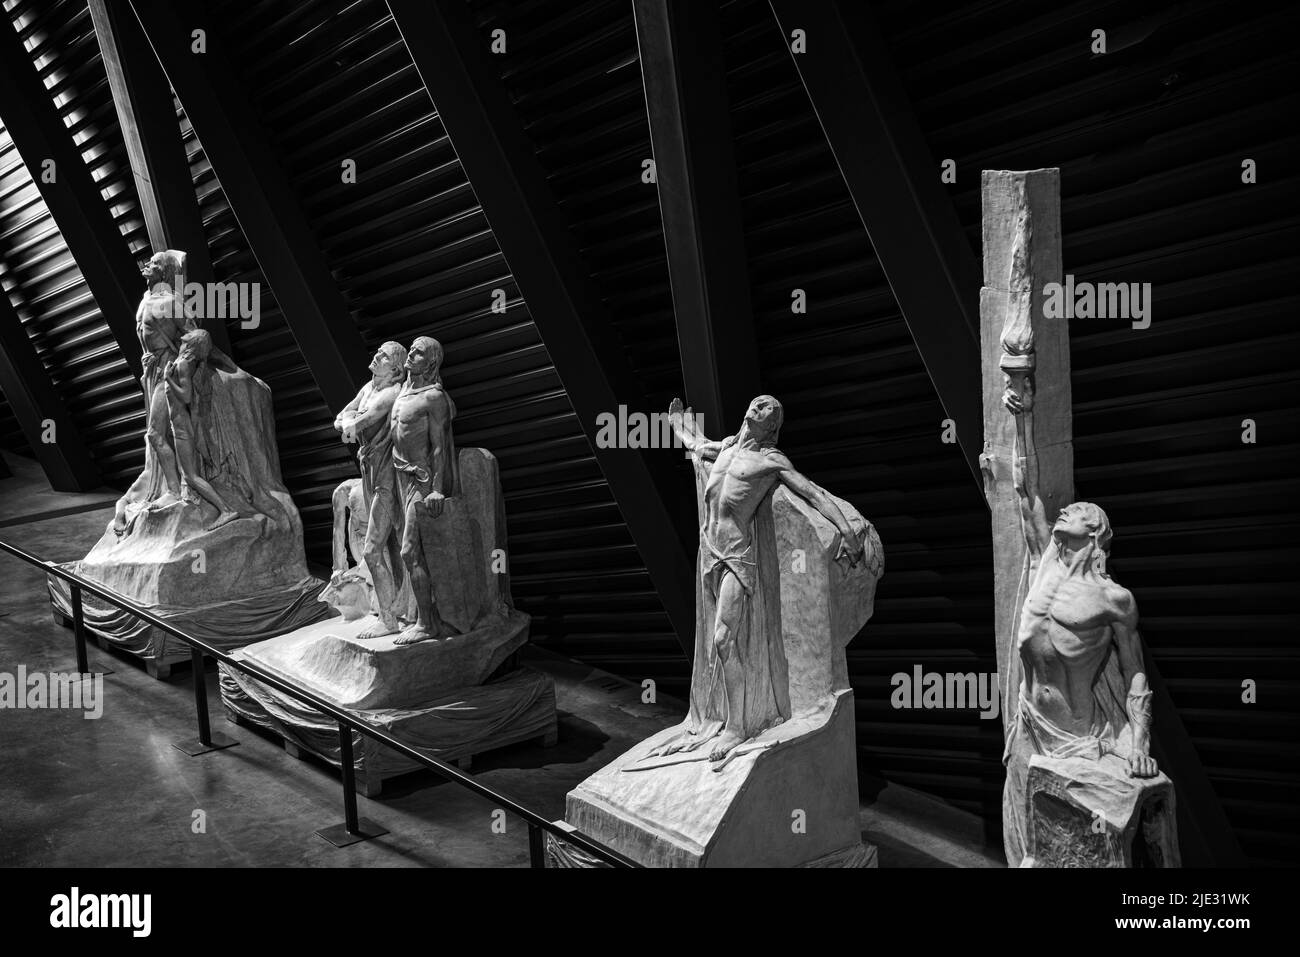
point(424, 457)
point(739, 637)
point(1083, 689)
point(366, 420)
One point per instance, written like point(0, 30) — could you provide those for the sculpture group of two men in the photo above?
point(401, 421)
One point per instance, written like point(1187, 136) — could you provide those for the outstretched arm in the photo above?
point(688, 433)
point(1024, 476)
point(1138, 703)
point(818, 498)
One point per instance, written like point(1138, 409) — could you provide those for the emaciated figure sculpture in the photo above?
point(424, 457)
point(366, 420)
point(1083, 690)
point(737, 628)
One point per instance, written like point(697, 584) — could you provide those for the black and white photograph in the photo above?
point(836, 435)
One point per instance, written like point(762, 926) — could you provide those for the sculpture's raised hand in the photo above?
point(683, 423)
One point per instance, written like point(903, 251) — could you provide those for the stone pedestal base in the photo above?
point(786, 799)
point(1086, 813)
point(359, 674)
point(223, 624)
point(431, 695)
point(243, 582)
point(519, 706)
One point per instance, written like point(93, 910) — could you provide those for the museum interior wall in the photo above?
point(1142, 144)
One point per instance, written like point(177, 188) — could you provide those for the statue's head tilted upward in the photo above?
point(425, 359)
point(166, 267)
point(1084, 526)
point(389, 364)
point(764, 417)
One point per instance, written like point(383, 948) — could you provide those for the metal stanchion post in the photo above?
point(353, 828)
point(209, 740)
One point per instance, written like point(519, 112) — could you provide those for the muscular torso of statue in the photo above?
point(1065, 637)
point(738, 482)
point(421, 434)
point(424, 456)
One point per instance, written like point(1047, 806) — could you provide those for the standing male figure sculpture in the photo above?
point(742, 639)
point(1083, 690)
point(366, 420)
point(160, 321)
point(424, 458)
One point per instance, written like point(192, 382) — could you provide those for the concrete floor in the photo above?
point(114, 792)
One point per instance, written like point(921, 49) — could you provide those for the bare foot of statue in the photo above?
point(416, 633)
point(165, 500)
point(225, 518)
point(384, 625)
point(724, 745)
point(685, 742)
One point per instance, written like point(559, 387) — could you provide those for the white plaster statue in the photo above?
point(366, 420)
point(1083, 690)
point(428, 473)
point(745, 690)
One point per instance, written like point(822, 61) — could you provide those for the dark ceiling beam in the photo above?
point(146, 114)
point(260, 196)
point(894, 182)
point(79, 210)
point(695, 168)
point(451, 58)
point(37, 406)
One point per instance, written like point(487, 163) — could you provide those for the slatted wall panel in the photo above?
point(863, 420)
point(1150, 140)
point(573, 73)
point(311, 461)
point(42, 280)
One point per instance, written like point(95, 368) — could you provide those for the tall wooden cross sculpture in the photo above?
point(1082, 788)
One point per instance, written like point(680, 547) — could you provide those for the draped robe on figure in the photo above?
point(759, 643)
point(1030, 733)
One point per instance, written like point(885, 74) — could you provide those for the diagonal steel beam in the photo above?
point(73, 199)
point(146, 114)
point(260, 196)
point(695, 168)
point(894, 183)
point(510, 184)
point(39, 409)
